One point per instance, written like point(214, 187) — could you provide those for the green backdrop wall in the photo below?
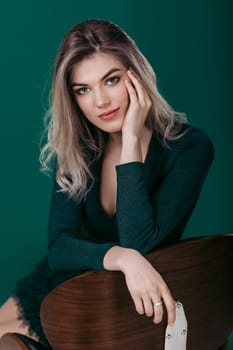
point(188, 44)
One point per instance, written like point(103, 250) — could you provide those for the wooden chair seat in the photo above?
point(94, 311)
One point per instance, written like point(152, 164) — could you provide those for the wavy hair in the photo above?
point(70, 137)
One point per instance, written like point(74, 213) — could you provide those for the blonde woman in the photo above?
point(128, 172)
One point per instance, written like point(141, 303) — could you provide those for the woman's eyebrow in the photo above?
point(112, 70)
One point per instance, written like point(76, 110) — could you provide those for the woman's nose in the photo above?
point(101, 98)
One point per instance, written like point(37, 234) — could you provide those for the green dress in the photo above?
point(155, 199)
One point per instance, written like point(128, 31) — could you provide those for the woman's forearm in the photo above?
point(131, 149)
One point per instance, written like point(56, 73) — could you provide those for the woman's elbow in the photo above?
point(53, 261)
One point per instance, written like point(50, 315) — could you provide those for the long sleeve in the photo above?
point(66, 250)
point(145, 220)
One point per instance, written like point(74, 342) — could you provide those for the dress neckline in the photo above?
point(102, 210)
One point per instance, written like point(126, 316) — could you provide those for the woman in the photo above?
point(128, 172)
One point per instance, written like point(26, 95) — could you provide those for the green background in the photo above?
point(189, 44)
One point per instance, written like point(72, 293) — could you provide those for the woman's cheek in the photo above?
point(83, 104)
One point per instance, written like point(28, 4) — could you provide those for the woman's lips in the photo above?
point(109, 115)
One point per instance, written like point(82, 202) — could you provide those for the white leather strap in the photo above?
point(176, 335)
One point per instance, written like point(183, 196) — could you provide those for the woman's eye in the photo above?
point(113, 80)
point(83, 90)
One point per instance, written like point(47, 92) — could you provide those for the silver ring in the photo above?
point(158, 303)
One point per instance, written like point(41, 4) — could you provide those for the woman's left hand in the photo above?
point(139, 106)
point(147, 288)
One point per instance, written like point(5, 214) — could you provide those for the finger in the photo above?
point(170, 306)
point(140, 90)
point(158, 310)
point(137, 87)
point(148, 306)
point(131, 91)
point(138, 305)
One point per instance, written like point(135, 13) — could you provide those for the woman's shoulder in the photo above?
point(192, 137)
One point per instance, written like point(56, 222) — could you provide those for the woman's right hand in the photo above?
point(146, 286)
point(138, 108)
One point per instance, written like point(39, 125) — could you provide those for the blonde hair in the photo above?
point(71, 138)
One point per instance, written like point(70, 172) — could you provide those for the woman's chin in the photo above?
point(112, 130)
point(112, 127)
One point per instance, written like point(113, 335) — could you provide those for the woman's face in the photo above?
point(99, 89)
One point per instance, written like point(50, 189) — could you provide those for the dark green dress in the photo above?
point(154, 202)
